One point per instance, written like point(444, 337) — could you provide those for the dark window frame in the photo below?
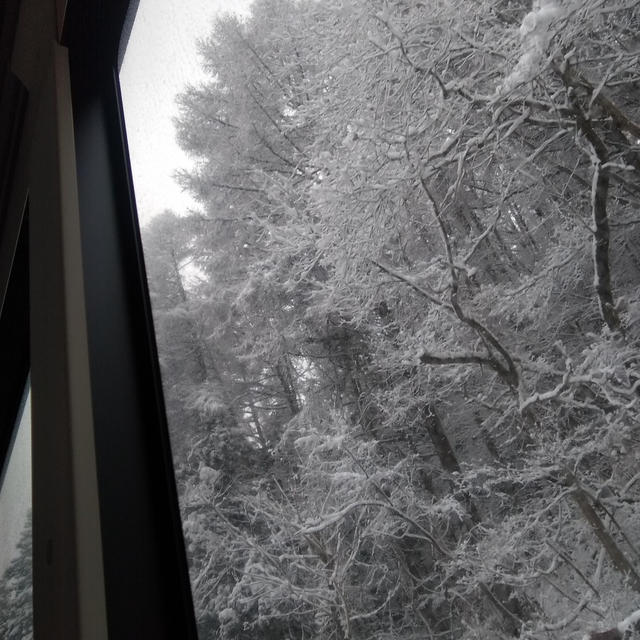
point(147, 586)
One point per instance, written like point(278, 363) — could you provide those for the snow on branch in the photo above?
point(333, 518)
point(535, 35)
point(547, 395)
point(628, 629)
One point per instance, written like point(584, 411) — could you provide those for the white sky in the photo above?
point(160, 60)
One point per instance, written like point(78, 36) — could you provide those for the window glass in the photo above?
point(392, 250)
point(15, 534)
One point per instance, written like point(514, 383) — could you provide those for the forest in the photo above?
point(399, 335)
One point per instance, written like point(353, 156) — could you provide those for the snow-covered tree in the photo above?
point(400, 337)
point(16, 589)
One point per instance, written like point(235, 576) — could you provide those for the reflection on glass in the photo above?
point(15, 534)
point(401, 404)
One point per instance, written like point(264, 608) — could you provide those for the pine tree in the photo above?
point(16, 603)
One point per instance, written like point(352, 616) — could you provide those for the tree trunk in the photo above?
point(599, 195)
point(439, 439)
point(284, 371)
point(601, 248)
point(618, 559)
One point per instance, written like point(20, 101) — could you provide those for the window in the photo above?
point(396, 325)
point(108, 557)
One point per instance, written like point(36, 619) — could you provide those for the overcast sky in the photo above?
point(160, 60)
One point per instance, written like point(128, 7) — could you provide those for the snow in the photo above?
point(535, 35)
point(629, 622)
point(208, 475)
point(227, 616)
point(345, 476)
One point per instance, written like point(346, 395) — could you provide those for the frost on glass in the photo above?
point(398, 315)
point(15, 535)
